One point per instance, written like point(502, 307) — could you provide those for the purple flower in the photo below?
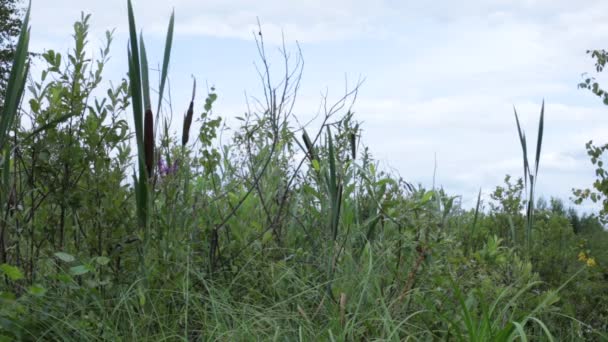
point(164, 169)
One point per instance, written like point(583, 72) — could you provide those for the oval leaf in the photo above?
point(65, 257)
point(79, 270)
point(102, 260)
point(36, 290)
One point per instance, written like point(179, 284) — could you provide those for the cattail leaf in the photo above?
point(16, 80)
point(135, 76)
point(539, 142)
point(166, 58)
point(332, 163)
point(135, 84)
point(145, 81)
point(522, 140)
point(309, 146)
point(141, 198)
point(336, 208)
point(5, 164)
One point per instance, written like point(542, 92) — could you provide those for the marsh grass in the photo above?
point(264, 237)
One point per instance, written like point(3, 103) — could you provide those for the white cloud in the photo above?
point(307, 21)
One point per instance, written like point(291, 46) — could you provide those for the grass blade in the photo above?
point(144, 74)
point(332, 164)
point(539, 142)
point(141, 184)
point(135, 78)
point(522, 140)
point(167, 57)
point(16, 81)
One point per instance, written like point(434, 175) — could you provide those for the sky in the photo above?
point(441, 78)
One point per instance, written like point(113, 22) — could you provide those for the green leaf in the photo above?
point(7, 296)
point(65, 257)
point(36, 290)
point(142, 296)
point(16, 81)
point(315, 165)
point(427, 196)
point(144, 74)
point(166, 58)
point(332, 165)
point(79, 270)
point(267, 237)
point(102, 260)
point(12, 272)
point(539, 142)
point(64, 278)
point(34, 105)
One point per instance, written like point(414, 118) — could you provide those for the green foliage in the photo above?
point(278, 232)
point(599, 192)
point(600, 185)
point(10, 28)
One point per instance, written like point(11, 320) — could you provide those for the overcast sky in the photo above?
point(441, 77)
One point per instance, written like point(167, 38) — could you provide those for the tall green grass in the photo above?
point(140, 102)
point(12, 101)
point(530, 171)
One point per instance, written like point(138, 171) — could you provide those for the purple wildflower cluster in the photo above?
point(165, 169)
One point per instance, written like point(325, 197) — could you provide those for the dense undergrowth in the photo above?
point(278, 234)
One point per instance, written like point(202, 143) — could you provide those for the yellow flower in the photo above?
point(582, 256)
point(591, 262)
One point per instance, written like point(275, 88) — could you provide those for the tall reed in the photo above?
point(12, 99)
point(530, 174)
point(140, 98)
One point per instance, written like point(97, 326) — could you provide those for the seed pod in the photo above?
point(188, 118)
point(149, 141)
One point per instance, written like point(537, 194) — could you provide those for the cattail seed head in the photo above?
point(187, 124)
point(188, 118)
point(149, 141)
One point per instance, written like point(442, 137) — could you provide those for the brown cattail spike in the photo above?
point(188, 118)
point(187, 124)
point(149, 141)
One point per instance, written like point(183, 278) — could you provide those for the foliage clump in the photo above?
point(283, 232)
